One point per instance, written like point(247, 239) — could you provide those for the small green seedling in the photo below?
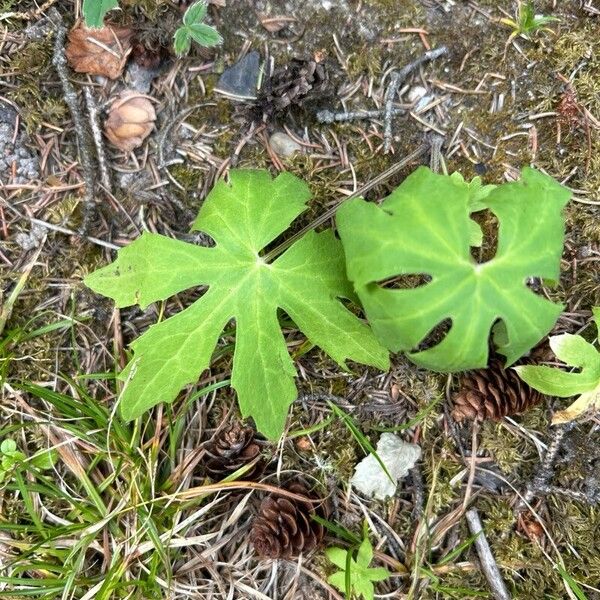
point(424, 229)
point(194, 29)
point(12, 459)
point(356, 578)
point(526, 23)
point(95, 10)
point(307, 282)
point(575, 352)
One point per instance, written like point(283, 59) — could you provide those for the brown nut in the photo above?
point(130, 120)
point(101, 51)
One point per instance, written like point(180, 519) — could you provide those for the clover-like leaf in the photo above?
point(95, 10)
point(306, 282)
point(355, 573)
point(575, 352)
point(195, 13)
point(424, 228)
point(194, 29)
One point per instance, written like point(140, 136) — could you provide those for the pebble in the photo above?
point(416, 93)
point(283, 144)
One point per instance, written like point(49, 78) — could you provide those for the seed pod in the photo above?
point(284, 527)
point(130, 120)
point(101, 51)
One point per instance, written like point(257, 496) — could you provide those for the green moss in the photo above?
point(366, 60)
point(32, 65)
point(186, 176)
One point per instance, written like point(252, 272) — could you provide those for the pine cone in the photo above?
point(101, 51)
point(291, 85)
point(492, 393)
point(233, 448)
point(284, 527)
point(130, 120)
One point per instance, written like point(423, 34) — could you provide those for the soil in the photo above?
point(495, 104)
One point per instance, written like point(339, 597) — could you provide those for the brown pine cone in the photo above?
point(233, 448)
point(284, 527)
point(130, 120)
point(492, 393)
point(291, 85)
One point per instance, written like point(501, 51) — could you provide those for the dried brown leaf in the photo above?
point(99, 51)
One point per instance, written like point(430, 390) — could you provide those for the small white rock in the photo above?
point(415, 93)
point(398, 457)
point(283, 144)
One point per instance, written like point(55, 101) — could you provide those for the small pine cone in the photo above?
point(233, 448)
point(284, 527)
point(492, 393)
point(290, 85)
point(130, 120)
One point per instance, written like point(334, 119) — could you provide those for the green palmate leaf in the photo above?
point(575, 352)
point(476, 190)
point(306, 281)
point(95, 10)
point(423, 227)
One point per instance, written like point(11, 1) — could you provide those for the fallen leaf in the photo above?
point(101, 51)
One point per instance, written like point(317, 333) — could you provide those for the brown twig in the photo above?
point(357, 194)
point(59, 61)
point(486, 558)
point(396, 81)
point(92, 109)
point(547, 467)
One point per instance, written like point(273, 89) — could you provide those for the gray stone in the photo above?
point(240, 81)
point(283, 144)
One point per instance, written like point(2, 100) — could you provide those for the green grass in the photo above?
point(103, 518)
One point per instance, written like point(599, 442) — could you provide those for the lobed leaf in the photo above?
point(424, 227)
point(307, 282)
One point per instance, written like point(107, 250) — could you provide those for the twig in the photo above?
point(97, 136)
point(327, 116)
point(59, 61)
point(546, 470)
point(486, 558)
point(436, 159)
point(418, 493)
point(357, 194)
point(396, 81)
